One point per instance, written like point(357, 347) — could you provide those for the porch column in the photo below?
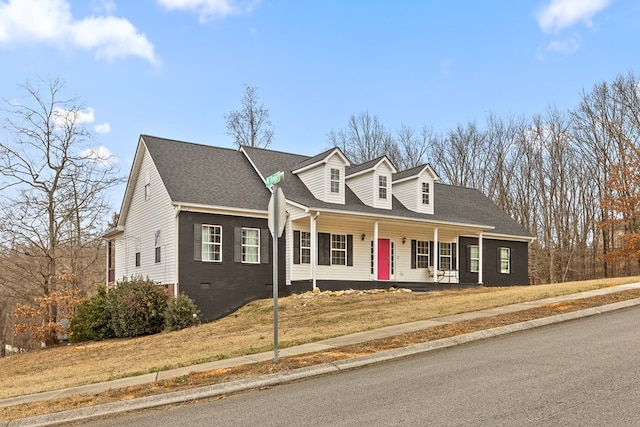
point(480, 256)
point(375, 250)
point(314, 247)
point(436, 258)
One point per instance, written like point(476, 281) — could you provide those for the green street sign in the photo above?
point(274, 179)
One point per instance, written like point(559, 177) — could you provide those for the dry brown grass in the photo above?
point(303, 318)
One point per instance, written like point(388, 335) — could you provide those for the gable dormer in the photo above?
point(324, 175)
point(371, 181)
point(414, 188)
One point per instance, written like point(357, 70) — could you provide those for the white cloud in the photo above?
point(102, 128)
point(100, 154)
point(561, 14)
point(63, 118)
point(211, 9)
point(51, 21)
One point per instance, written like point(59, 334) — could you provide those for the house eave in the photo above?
point(112, 232)
point(473, 227)
point(223, 210)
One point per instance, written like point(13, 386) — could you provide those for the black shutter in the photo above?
point(431, 262)
point(324, 249)
point(498, 270)
point(469, 258)
point(237, 244)
point(296, 247)
point(454, 257)
point(197, 242)
point(414, 245)
point(264, 245)
point(350, 250)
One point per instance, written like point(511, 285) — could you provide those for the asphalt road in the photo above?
point(580, 373)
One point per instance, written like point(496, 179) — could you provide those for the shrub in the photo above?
point(181, 313)
point(137, 307)
point(92, 319)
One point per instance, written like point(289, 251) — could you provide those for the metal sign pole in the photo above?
point(275, 276)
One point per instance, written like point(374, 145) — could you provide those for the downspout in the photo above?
point(176, 252)
point(481, 256)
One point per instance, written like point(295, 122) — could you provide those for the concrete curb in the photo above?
point(272, 380)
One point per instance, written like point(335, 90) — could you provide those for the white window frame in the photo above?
point(422, 254)
point(305, 247)
point(446, 256)
point(247, 245)
point(426, 193)
point(474, 259)
point(334, 181)
point(382, 187)
point(338, 249)
point(505, 261)
point(209, 246)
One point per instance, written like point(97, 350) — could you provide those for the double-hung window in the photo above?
point(212, 243)
point(382, 187)
point(505, 260)
point(338, 249)
point(305, 247)
point(251, 245)
point(422, 254)
point(335, 180)
point(474, 258)
point(445, 256)
point(425, 193)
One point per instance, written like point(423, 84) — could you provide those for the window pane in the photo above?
point(422, 254)
point(250, 245)
point(425, 193)
point(305, 247)
point(335, 180)
point(211, 243)
point(338, 249)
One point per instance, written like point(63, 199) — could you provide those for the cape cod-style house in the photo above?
point(194, 219)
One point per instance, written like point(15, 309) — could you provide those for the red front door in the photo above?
point(383, 259)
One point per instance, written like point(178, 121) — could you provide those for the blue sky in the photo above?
point(174, 68)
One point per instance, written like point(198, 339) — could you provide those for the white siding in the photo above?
point(383, 170)
point(145, 217)
point(364, 186)
point(409, 193)
point(314, 179)
point(406, 193)
point(334, 162)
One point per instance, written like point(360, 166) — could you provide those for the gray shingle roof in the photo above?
point(364, 166)
point(213, 176)
point(206, 175)
point(453, 204)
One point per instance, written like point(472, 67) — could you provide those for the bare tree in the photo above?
point(53, 188)
point(410, 148)
point(365, 138)
point(250, 125)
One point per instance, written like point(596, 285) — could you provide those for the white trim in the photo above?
point(253, 213)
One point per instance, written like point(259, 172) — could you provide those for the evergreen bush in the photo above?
point(181, 313)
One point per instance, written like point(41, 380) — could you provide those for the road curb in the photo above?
point(280, 378)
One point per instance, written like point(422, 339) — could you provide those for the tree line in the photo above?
point(569, 177)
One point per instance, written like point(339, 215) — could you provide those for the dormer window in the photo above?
point(382, 187)
point(425, 193)
point(335, 180)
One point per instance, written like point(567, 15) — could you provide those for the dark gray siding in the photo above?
point(219, 288)
point(491, 275)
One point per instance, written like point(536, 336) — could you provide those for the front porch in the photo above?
point(342, 251)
